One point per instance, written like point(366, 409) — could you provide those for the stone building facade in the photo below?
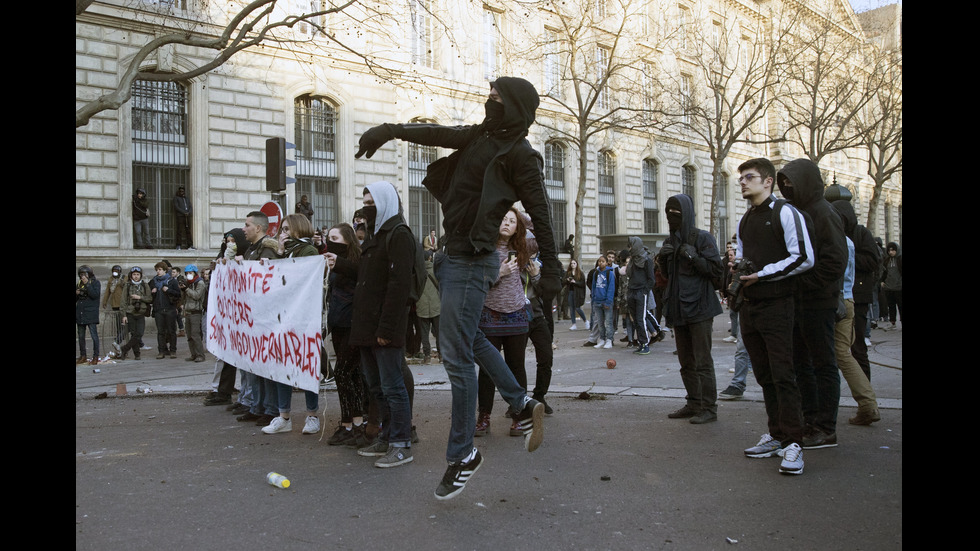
point(208, 132)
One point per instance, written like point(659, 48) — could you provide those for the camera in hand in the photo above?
point(741, 268)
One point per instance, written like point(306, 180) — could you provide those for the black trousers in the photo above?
point(513, 347)
point(541, 338)
point(766, 328)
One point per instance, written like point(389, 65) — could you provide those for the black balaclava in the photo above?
point(370, 213)
point(494, 113)
point(674, 219)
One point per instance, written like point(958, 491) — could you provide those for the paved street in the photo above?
point(157, 469)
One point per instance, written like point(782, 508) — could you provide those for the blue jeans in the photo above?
point(603, 317)
point(742, 363)
point(266, 396)
point(284, 398)
point(141, 233)
point(463, 285)
point(246, 390)
point(382, 369)
point(93, 329)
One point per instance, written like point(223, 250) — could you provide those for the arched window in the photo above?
point(651, 209)
point(316, 158)
point(554, 183)
point(607, 193)
point(160, 152)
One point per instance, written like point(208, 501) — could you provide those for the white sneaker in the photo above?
point(867, 341)
point(598, 344)
point(608, 344)
point(312, 425)
point(278, 424)
point(729, 339)
point(587, 325)
point(572, 328)
point(792, 459)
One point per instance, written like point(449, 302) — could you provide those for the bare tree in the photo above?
point(881, 127)
point(597, 58)
point(726, 67)
point(232, 27)
point(827, 90)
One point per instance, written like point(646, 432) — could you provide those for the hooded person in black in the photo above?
point(891, 282)
point(640, 282)
point(691, 259)
point(816, 303)
point(493, 167)
point(867, 259)
point(380, 319)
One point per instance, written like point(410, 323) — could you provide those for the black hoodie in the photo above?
point(694, 260)
point(493, 168)
point(819, 287)
point(867, 256)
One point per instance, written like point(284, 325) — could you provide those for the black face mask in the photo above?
point(787, 192)
point(370, 214)
point(339, 249)
point(495, 113)
point(674, 220)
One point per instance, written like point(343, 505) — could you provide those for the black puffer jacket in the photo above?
point(819, 287)
point(87, 302)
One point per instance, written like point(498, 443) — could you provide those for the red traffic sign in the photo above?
point(274, 212)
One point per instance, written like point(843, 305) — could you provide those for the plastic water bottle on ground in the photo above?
point(277, 480)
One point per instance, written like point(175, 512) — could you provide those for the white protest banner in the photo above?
point(265, 318)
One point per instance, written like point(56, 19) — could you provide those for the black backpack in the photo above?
point(419, 273)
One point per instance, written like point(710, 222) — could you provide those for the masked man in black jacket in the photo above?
point(690, 257)
point(493, 167)
point(817, 293)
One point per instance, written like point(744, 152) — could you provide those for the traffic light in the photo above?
point(276, 163)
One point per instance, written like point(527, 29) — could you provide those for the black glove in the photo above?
point(550, 283)
point(688, 251)
point(373, 139)
point(667, 249)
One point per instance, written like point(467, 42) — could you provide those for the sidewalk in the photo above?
point(576, 369)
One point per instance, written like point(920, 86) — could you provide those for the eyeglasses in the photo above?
point(749, 178)
point(284, 228)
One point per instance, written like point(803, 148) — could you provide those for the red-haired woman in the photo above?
point(505, 318)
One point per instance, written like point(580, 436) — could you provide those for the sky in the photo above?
point(864, 5)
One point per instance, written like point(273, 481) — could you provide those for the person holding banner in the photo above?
point(380, 318)
point(295, 240)
point(259, 246)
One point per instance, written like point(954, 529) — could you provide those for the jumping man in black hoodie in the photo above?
point(493, 167)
